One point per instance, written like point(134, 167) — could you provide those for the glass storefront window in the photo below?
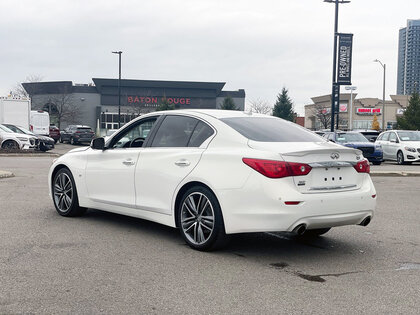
point(364, 124)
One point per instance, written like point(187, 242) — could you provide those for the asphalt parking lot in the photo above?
point(107, 263)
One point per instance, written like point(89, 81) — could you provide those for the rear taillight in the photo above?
point(362, 166)
point(277, 169)
point(31, 127)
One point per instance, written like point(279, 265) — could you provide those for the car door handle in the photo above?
point(128, 162)
point(182, 162)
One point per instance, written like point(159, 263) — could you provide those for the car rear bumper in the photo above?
point(254, 208)
point(82, 139)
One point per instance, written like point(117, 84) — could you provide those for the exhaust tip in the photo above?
point(365, 221)
point(300, 229)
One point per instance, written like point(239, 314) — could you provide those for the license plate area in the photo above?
point(332, 178)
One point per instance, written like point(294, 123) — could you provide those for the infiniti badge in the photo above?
point(335, 155)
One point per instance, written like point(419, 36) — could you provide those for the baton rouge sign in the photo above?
point(345, 45)
point(152, 100)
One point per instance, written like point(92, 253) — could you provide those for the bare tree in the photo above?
point(63, 107)
point(18, 89)
point(322, 114)
point(260, 106)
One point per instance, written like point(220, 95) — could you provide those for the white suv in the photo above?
point(402, 146)
point(10, 140)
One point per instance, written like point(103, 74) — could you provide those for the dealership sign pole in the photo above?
point(119, 87)
point(335, 95)
point(345, 47)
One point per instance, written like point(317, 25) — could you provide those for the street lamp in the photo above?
point(335, 95)
point(383, 95)
point(351, 88)
point(119, 86)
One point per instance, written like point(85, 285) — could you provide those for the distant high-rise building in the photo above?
point(409, 58)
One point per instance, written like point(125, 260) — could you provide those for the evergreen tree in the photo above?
point(284, 106)
point(375, 123)
point(228, 104)
point(411, 118)
point(165, 105)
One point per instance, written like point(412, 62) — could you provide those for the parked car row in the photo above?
point(10, 140)
point(402, 146)
point(373, 152)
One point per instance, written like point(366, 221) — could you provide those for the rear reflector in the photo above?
point(277, 169)
point(362, 166)
point(292, 203)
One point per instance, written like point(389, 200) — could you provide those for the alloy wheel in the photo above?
point(10, 145)
point(63, 192)
point(197, 218)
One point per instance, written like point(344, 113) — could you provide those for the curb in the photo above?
point(394, 174)
point(5, 174)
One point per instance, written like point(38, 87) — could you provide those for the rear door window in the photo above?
point(175, 131)
point(200, 134)
point(267, 129)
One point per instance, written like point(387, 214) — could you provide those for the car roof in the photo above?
point(215, 113)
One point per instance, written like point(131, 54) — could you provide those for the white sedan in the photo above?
point(212, 173)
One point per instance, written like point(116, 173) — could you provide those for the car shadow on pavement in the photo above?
point(134, 224)
point(269, 245)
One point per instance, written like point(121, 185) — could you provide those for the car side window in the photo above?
point(392, 136)
point(200, 134)
point(175, 131)
point(135, 136)
point(380, 137)
point(385, 137)
point(331, 136)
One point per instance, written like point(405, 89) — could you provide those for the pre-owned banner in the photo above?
point(345, 47)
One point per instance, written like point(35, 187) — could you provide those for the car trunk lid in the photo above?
point(332, 165)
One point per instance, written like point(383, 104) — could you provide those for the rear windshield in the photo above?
point(350, 137)
point(84, 128)
point(267, 129)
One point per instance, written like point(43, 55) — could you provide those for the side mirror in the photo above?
point(98, 144)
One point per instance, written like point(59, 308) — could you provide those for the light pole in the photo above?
point(335, 95)
point(119, 86)
point(383, 95)
point(351, 88)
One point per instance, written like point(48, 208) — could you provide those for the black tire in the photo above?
point(55, 141)
point(64, 194)
point(10, 145)
point(42, 147)
point(72, 142)
point(61, 140)
point(315, 232)
point(400, 158)
point(376, 163)
point(196, 218)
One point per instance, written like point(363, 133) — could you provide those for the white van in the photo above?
point(40, 122)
